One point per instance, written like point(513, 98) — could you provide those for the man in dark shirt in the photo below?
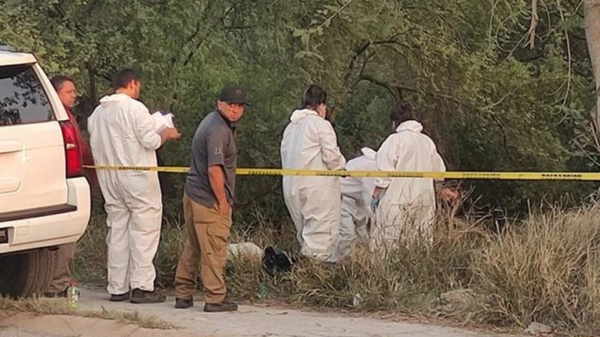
point(209, 195)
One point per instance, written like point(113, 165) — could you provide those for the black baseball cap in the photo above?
point(233, 94)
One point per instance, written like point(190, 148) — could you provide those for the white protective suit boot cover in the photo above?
point(314, 203)
point(122, 133)
point(356, 203)
point(407, 210)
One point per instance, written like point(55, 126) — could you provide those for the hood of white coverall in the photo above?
point(413, 126)
point(310, 143)
point(360, 185)
point(369, 153)
point(299, 115)
point(110, 100)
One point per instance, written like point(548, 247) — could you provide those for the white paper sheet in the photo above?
point(162, 122)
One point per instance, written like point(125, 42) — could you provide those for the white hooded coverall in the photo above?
point(407, 209)
point(356, 202)
point(122, 132)
point(309, 143)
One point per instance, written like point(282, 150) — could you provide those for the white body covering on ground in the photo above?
point(309, 142)
point(123, 133)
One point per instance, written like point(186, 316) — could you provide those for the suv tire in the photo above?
point(24, 275)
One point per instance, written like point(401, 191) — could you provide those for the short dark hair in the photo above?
point(313, 96)
point(123, 77)
point(401, 113)
point(58, 81)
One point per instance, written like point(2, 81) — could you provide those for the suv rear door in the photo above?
point(32, 154)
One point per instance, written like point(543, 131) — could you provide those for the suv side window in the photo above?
point(22, 97)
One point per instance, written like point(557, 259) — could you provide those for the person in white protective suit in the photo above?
point(405, 207)
point(123, 133)
point(357, 215)
point(314, 203)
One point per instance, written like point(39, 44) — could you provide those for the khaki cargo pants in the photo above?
point(206, 245)
point(61, 275)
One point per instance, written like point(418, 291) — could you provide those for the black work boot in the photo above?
point(119, 297)
point(140, 296)
point(182, 303)
point(220, 307)
point(62, 294)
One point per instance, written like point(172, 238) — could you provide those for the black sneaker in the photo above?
point(140, 296)
point(181, 303)
point(120, 297)
point(221, 307)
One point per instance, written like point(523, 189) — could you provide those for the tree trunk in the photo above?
point(88, 101)
point(592, 32)
point(91, 84)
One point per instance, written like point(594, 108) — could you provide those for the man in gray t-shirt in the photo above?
point(213, 145)
point(209, 195)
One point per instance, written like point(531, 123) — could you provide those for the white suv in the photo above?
point(44, 198)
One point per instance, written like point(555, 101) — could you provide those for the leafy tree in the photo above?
point(490, 98)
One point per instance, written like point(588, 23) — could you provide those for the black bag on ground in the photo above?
point(275, 261)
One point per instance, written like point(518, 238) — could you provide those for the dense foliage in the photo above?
point(489, 100)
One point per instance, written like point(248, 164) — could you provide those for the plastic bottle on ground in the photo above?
point(73, 295)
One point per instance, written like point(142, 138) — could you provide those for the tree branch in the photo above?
point(388, 86)
point(242, 27)
point(358, 52)
point(393, 85)
point(533, 25)
point(211, 31)
point(91, 6)
point(362, 48)
point(104, 76)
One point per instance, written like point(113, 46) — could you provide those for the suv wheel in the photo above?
point(23, 275)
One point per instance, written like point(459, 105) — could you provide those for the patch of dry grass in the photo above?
point(59, 306)
point(90, 257)
point(545, 269)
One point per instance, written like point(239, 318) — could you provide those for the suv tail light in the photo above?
point(72, 150)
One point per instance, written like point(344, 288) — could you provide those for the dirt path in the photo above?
point(249, 321)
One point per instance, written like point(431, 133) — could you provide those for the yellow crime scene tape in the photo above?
point(573, 176)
